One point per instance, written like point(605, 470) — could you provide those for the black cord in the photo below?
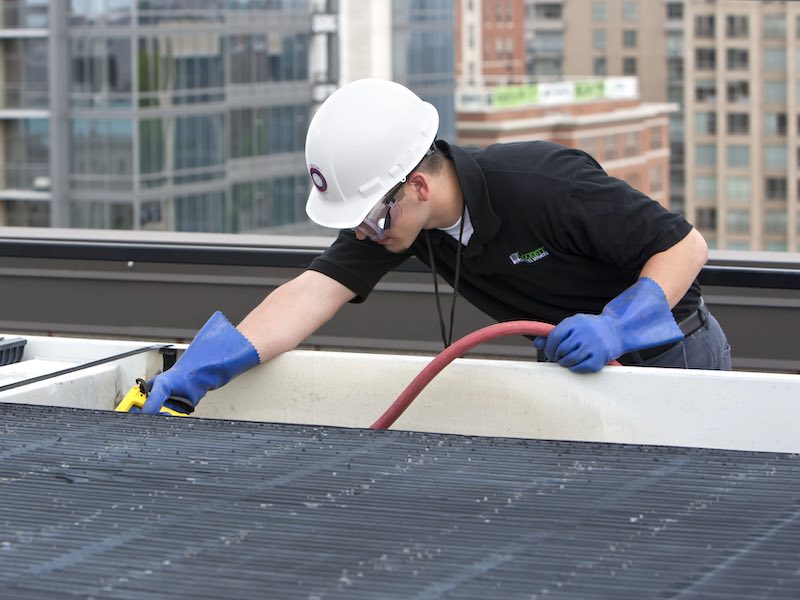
point(447, 338)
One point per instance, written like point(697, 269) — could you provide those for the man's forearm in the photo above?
point(292, 312)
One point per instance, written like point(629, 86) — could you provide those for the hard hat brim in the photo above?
point(329, 214)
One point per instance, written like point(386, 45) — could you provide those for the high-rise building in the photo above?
point(635, 38)
point(24, 114)
point(587, 38)
point(490, 42)
point(408, 41)
point(167, 114)
point(742, 115)
point(191, 114)
point(732, 66)
point(603, 116)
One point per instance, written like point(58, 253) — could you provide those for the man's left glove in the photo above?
point(217, 354)
point(639, 318)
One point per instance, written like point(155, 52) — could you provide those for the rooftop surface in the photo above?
point(100, 504)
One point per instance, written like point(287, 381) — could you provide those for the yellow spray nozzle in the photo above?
point(136, 398)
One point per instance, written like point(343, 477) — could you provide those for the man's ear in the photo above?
point(421, 184)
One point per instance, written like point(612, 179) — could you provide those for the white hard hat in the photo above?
point(364, 139)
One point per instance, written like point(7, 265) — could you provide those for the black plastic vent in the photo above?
point(11, 350)
point(128, 507)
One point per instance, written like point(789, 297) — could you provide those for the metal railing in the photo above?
point(164, 285)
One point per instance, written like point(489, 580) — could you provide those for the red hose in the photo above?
point(452, 352)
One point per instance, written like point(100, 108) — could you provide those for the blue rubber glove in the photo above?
point(638, 318)
point(217, 354)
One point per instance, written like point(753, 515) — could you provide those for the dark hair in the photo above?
point(432, 163)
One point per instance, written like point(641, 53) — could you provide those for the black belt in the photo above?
point(688, 326)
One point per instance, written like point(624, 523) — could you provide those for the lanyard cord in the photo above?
point(447, 339)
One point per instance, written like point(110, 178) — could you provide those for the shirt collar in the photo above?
point(485, 222)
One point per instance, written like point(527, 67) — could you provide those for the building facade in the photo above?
point(733, 67)
point(191, 115)
point(408, 41)
point(585, 38)
point(174, 115)
point(742, 123)
point(603, 116)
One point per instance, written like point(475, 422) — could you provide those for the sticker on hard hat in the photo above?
point(318, 179)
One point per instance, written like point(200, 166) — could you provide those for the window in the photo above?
point(737, 59)
point(776, 188)
point(775, 124)
point(675, 43)
point(706, 122)
point(629, 38)
point(775, 92)
point(776, 157)
point(771, 246)
point(704, 26)
point(102, 154)
point(545, 66)
point(101, 72)
point(738, 190)
point(775, 59)
point(629, 10)
point(775, 222)
point(705, 187)
point(548, 42)
point(738, 156)
point(736, 26)
point(705, 58)
point(707, 219)
point(101, 215)
point(706, 155)
point(601, 66)
point(675, 71)
point(675, 11)
point(774, 27)
point(738, 221)
point(656, 138)
point(705, 90)
point(738, 92)
point(26, 147)
point(632, 143)
point(629, 66)
point(611, 148)
point(547, 11)
point(738, 123)
point(656, 179)
point(599, 39)
point(599, 11)
point(738, 245)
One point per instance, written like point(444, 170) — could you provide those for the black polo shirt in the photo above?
point(554, 235)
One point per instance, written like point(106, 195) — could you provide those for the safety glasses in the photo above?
point(379, 219)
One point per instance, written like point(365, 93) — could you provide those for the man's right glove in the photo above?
point(217, 354)
point(639, 318)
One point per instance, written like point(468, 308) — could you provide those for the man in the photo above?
point(529, 230)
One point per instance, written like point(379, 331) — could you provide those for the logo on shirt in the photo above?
point(528, 257)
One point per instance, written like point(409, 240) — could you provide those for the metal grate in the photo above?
point(101, 505)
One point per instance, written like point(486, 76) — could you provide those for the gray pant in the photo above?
point(706, 348)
